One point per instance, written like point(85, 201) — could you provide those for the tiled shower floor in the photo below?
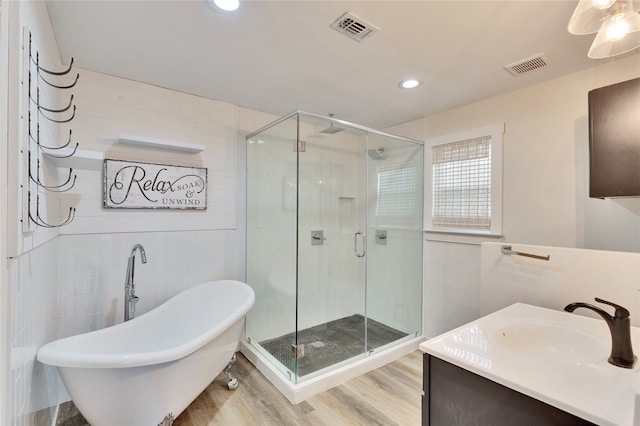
point(330, 343)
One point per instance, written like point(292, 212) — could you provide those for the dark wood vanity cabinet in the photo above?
point(455, 396)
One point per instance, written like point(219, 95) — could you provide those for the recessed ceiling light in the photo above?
point(409, 84)
point(227, 5)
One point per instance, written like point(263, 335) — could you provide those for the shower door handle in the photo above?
point(355, 244)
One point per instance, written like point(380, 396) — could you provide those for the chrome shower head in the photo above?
point(332, 129)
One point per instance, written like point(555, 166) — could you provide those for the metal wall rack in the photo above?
point(38, 77)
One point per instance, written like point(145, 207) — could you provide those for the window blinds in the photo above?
point(462, 184)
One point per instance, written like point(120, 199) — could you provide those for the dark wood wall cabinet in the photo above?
point(614, 140)
point(454, 396)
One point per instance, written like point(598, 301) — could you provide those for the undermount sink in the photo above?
point(554, 342)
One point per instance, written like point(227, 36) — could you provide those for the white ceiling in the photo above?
point(279, 56)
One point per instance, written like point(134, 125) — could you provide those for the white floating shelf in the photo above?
point(82, 159)
point(147, 142)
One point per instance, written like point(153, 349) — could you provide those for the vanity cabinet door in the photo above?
point(455, 396)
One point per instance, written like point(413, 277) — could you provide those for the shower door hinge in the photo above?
point(297, 351)
point(300, 146)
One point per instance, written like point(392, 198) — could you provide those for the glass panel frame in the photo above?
point(271, 200)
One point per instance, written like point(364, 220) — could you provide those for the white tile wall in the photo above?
point(91, 282)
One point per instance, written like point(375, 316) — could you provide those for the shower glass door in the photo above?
point(332, 205)
point(394, 241)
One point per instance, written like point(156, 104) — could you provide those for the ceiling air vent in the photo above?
point(528, 65)
point(354, 27)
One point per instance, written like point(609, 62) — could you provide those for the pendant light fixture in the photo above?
point(617, 23)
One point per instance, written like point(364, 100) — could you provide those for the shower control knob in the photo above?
point(317, 238)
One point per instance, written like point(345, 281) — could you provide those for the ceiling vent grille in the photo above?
point(527, 65)
point(354, 27)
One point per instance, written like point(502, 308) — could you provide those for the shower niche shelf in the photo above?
point(147, 142)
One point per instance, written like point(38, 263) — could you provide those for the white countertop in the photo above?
point(557, 357)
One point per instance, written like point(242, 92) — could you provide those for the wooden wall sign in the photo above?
point(135, 185)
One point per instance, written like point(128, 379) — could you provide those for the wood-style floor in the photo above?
point(390, 395)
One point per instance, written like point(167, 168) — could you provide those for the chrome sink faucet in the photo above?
point(130, 298)
point(620, 327)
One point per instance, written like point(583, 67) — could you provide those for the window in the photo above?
point(465, 182)
point(462, 184)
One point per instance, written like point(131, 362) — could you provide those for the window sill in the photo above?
point(462, 237)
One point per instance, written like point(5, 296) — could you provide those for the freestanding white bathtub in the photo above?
point(148, 370)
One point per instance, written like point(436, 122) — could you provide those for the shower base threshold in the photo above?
point(296, 393)
point(330, 343)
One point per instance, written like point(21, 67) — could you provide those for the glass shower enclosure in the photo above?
point(334, 243)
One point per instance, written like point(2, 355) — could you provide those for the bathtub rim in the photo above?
point(57, 353)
